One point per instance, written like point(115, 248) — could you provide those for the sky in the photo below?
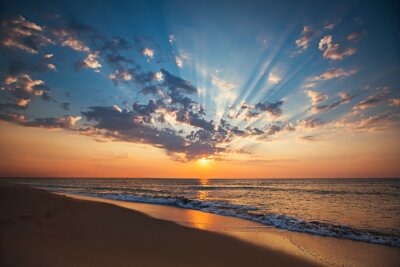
point(213, 89)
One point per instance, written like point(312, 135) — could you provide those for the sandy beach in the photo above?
point(321, 250)
point(43, 229)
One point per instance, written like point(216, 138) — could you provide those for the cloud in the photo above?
point(75, 44)
point(117, 108)
point(372, 123)
point(179, 62)
point(51, 67)
point(274, 78)
point(273, 129)
point(310, 85)
point(91, 61)
point(315, 97)
point(251, 114)
point(22, 88)
point(394, 102)
point(159, 76)
point(309, 123)
point(355, 121)
point(273, 108)
point(148, 52)
point(329, 26)
point(195, 120)
point(175, 83)
point(171, 38)
point(10, 116)
point(254, 131)
point(306, 36)
point(344, 99)
point(333, 51)
point(353, 37)
point(23, 102)
point(65, 106)
point(66, 122)
point(124, 126)
point(222, 84)
point(373, 100)
point(334, 73)
point(122, 75)
point(140, 125)
point(289, 128)
point(152, 89)
point(22, 34)
point(308, 138)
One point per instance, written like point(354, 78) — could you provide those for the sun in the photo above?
point(203, 161)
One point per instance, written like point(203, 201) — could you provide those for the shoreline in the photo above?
point(39, 228)
point(324, 250)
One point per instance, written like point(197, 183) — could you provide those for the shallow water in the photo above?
point(359, 209)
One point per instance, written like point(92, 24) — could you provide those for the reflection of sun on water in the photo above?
point(203, 194)
point(200, 219)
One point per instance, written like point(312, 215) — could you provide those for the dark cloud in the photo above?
point(10, 116)
point(66, 122)
point(194, 119)
point(273, 129)
point(125, 126)
point(273, 108)
point(344, 99)
point(372, 100)
point(65, 106)
point(254, 131)
point(138, 126)
point(22, 88)
point(175, 83)
point(19, 33)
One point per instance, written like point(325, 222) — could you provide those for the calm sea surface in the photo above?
point(359, 209)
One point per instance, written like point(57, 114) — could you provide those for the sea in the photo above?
point(366, 210)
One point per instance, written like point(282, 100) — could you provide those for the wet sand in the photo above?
point(38, 228)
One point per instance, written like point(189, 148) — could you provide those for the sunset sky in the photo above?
point(216, 89)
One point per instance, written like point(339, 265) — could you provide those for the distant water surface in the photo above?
point(359, 209)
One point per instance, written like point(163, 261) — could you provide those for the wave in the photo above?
point(295, 190)
point(269, 219)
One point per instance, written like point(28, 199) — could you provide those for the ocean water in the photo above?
point(360, 209)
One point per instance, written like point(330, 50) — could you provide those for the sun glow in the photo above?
point(203, 161)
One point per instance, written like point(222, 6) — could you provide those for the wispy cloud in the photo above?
point(22, 34)
point(373, 100)
point(305, 38)
point(315, 97)
point(332, 50)
point(344, 99)
point(334, 73)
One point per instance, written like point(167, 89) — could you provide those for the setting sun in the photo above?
point(203, 161)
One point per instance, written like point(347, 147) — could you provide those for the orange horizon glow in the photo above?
point(33, 152)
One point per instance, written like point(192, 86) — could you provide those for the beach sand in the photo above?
point(327, 251)
point(43, 229)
